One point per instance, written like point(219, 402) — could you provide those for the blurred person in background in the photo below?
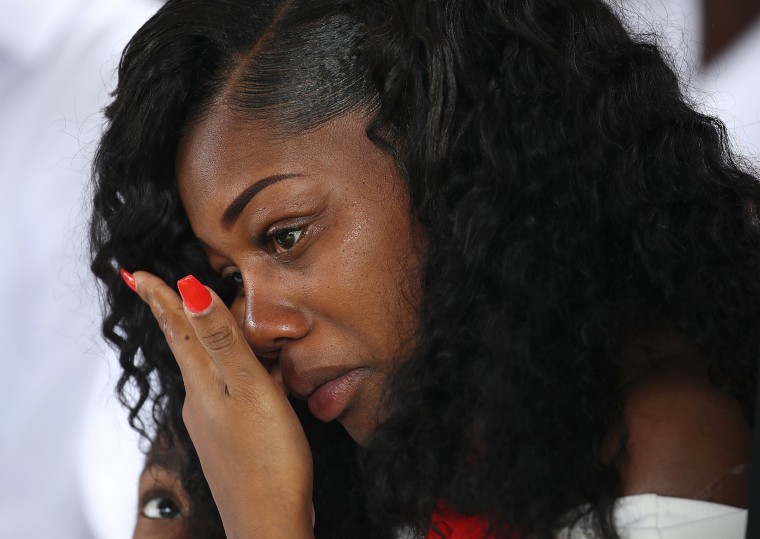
point(68, 462)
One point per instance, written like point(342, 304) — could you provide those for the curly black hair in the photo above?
point(569, 194)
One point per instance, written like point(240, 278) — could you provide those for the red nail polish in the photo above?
point(194, 294)
point(129, 279)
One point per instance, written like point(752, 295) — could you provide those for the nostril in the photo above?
point(267, 358)
point(269, 355)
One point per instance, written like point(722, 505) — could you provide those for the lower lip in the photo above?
point(330, 400)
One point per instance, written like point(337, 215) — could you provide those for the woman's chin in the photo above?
point(358, 427)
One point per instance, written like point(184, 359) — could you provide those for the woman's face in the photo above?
point(316, 229)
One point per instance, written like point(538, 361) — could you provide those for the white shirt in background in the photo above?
point(649, 516)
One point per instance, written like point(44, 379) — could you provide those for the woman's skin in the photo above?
point(331, 304)
point(317, 229)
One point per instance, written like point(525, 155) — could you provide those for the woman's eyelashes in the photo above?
point(159, 506)
point(282, 240)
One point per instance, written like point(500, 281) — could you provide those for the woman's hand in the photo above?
point(250, 443)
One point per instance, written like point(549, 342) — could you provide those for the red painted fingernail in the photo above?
point(194, 294)
point(129, 279)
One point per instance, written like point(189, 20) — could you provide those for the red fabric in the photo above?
point(456, 526)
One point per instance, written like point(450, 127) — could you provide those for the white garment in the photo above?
point(649, 516)
point(68, 461)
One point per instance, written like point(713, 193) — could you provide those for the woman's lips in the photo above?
point(330, 400)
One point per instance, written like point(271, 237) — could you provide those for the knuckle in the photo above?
point(152, 293)
point(164, 313)
point(220, 339)
point(163, 322)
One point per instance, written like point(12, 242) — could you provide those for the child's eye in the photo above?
point(161, 507)
point(287, 239)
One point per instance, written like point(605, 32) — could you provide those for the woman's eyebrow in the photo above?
point(236, 207)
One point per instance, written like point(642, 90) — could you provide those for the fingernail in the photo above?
point(129, 279)
point(194, 294)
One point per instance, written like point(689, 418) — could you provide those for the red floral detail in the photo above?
point(456, 526)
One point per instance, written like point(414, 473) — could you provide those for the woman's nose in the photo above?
point(269, 321)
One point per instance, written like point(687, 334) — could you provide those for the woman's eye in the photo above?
point(235, 278)
point(161, 507)
point(287, 238)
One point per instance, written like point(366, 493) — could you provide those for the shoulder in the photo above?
point(687, 438)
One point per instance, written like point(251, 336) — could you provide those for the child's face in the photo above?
point(162, 502)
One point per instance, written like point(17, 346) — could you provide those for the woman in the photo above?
point(490, 238)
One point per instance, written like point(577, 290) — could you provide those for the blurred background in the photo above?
point(68, 462)
point(715, 45)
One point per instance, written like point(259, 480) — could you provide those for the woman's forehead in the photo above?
point(223, 144)
point(223, 155)
point(223, 141)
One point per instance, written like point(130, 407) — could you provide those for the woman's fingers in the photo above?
point(218, 332)
point(196, 366)
point(204, 337)
point(248, 438)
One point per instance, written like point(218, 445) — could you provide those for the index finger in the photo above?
point(194, 363)
point(218, 331)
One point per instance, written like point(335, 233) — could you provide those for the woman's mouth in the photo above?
point(330, 400)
